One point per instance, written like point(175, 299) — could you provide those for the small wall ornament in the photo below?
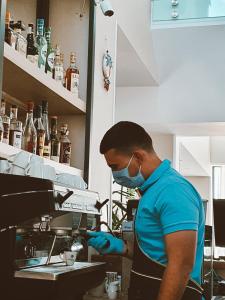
point(107, 65)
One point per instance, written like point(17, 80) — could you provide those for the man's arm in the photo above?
point(180, 249)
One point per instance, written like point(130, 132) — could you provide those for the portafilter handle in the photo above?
point(99, 205)
point(61, 199)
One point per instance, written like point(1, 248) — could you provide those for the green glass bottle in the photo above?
point(50, 53)
point(41, 44)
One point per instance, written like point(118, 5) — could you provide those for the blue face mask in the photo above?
point(123, 177)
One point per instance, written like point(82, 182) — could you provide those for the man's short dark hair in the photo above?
point(125, 136)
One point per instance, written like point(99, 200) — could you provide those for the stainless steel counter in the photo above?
point(58, 271)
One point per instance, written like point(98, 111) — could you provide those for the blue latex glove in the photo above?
point(105, 243)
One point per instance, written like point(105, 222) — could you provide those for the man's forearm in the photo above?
point(174, 282)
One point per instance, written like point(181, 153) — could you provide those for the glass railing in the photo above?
point(187, 11)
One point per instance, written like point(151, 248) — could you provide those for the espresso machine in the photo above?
point(40, 220)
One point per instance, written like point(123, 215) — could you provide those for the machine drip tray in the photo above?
point(58, 271)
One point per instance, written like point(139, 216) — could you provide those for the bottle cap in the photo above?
point(19, 25)
point(62, 57)
point(57, 50)
point(41, 22)
point(30, 28)
point(73, 56)
point(48, 33)
point(30, 106)
point(48, 29)
point(44, 106)
point(7, 17)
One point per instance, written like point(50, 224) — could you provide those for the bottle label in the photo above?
point(50, 60)
point(21, 44)
point(58, 75)
point(43, 56)
point(47, 151)
point(55, 150)
point(40, 143)
point(33, 59)
point(65, 153)
point(74, 83)
point(17, 139)
point(6, 133)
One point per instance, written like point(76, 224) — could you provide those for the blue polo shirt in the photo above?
point(169, 204)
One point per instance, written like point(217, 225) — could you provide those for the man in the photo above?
point(169, 223)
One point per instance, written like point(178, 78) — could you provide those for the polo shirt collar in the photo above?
point(158, 172)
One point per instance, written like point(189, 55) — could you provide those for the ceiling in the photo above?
point(188, 129)
point(131, 71)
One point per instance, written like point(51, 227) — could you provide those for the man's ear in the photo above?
point(139, 156)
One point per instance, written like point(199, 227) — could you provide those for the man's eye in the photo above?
point(114, 168)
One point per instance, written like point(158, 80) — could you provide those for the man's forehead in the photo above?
point(111, 154)
point(114, 155)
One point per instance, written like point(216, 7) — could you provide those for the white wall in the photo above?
point(18, 11)
point(71, 33)
point(191, 65)
point(202, 184)
point(217, 145)
point(134, 19)
point(103, 105)
point(163, 145)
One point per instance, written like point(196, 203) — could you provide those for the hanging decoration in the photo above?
point(107, 65)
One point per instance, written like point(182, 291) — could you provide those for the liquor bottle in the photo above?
point(55, 143)
point(72, 75)
point(64, 71)
point(21, 42)
point(8, 30)
point(35, 115)
point(41, 44)
point(16, 128)
point(32, 50)
point(6, 123)
point(50, 53)
point(40, 131)
point(29, 141)
point(47, 145)
point(1, 130)
point(65, 146)
point(58, 67)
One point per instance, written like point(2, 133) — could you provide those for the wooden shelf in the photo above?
point(26, 82)
point(7, 151)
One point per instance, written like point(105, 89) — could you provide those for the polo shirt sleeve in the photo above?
point(178, 208)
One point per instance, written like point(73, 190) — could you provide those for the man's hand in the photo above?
point(105, 243)
point(180, 249)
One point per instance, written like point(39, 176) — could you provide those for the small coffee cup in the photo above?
point(68, 257)
point(112, 290)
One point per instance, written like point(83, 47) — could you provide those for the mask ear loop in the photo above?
point(130, 161)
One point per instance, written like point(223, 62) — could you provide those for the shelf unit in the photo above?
point(21, 81)
point(29, 82)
